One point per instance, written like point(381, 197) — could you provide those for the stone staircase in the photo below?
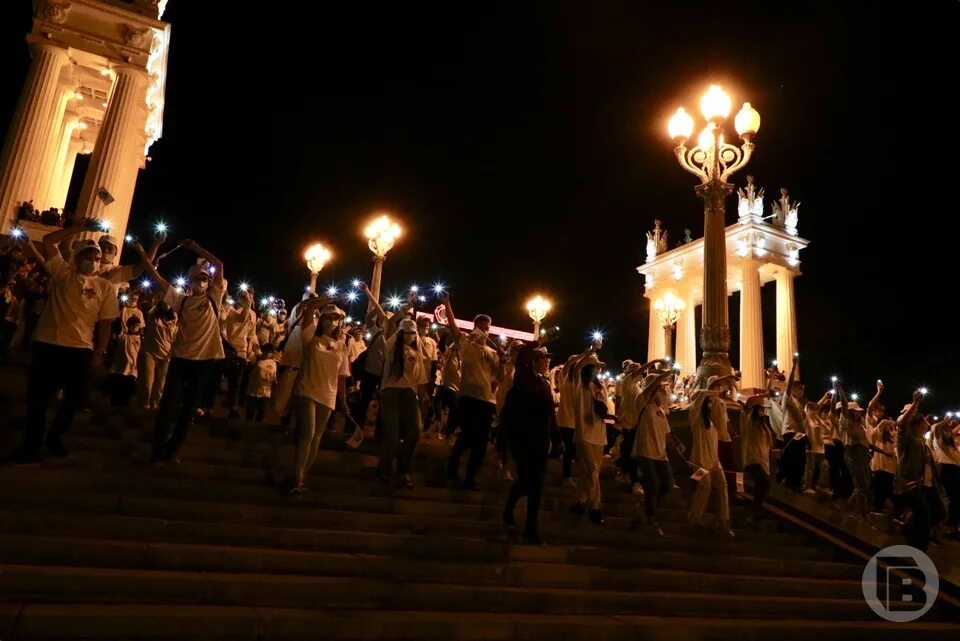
point(102, 546)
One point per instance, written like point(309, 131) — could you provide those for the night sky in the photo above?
point(523, 146)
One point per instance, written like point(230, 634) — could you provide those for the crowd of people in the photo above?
point(176, 347)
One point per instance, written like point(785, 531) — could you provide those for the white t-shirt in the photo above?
point(158, 336)
point(413, 373)
point(355, 349)
point(882, 462)
point(430, 349)
point(75, 305)
point(479, 367)
point(569, 401)
point(127, 312)
point(814, 430)
point(267, 329)
point(262, 378)
point(652, 435)
point(125, 356)
point(590, 426)
point(853, 433)
point(755, 441)
point(451, 368)
point(239, 328)
point(792, 415)
point(705, 440)
point(198, 336)
point(324, 361)
point(629, 403)
point(118, 275)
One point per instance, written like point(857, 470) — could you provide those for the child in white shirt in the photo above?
point(123, 368)
point(263, 376)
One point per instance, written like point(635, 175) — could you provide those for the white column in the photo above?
point(116, 161)
point(58, 195)
point(70, 123)
point(31, 126)
point(687, 336)
point(786, 319)
point(656, 348)
point(751, 327)
point(50, 160)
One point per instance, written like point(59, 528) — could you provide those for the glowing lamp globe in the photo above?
point(680, 126)
point(747, 121)
point(715, 104)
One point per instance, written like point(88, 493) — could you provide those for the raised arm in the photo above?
point(394, 321)
point(150, 268)
point(207, 256)
point(905, 419)
point(841, 396)
point(875, 401)
point(451, 319)
point(373, 301)
point(793, 375)
point(51, 240)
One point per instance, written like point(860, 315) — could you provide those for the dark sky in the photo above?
point(523, 146)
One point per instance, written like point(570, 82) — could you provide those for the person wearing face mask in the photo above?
point(130, 308)
point(431, 353)
point(403, 376)
point(120, 274)
point(238, 328)
point(280, 334)
point(708, 426)
point(196, 348)
point(320, 382)
point(161, 327)
point(71, 338)
point(481, 362)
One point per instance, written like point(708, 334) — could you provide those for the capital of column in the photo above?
point(38, 45)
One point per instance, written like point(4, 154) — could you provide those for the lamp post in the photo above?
point(538, 307)
point(712, 160)
point(668, 310)
point(316, 256)
point(381, 235)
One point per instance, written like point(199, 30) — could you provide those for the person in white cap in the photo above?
point(403, 375)
point(590, 437)
point(321, 381)
point(883, 464)
point(632, 404)
point(238, 328)
point(481, 370)
point(649, 446)
point(71, 338)
point(756, 438)
point(916, 471)
point(290, 361)
point(161, 327)
point(708, 426)
point(196, 348)
point(946, 441)
point(856, 450)
point(120, 274)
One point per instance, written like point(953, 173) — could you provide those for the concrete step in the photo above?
point(294, 513)
point(44, 584)
point(94, 451)
point(68, 622)
point(110, 553)
point(365, 496)
point(458, 549)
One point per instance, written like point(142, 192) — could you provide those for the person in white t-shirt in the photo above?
point(119, 275)
point(590, 436)
point(291, 358)
point(756, 440)
point(946, 443)
point(321, 380)
point(448, 393)
point(160, 328)
point(708, 426)
point(263, 376)
point(70, 340)
point(481, 370)
point(196, 348)
point(122, 381)
point(431, 354)
point(130, 307)
point(652, 436)
point(238, 328)
point(883, 463)
point(403, 375)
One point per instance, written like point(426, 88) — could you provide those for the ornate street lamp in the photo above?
point(713, 161)
point(538, 307)
point(381, 235)
point(317, 256)
point(668, 311)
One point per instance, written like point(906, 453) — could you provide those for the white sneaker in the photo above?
point(508, 476)
point(809, 491)
point(637, 489)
